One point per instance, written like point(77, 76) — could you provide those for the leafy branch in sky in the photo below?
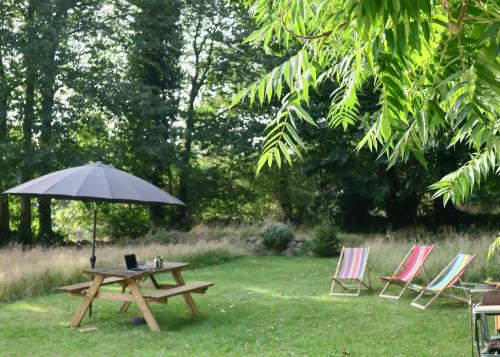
point(435, 66)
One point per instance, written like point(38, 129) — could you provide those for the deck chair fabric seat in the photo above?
point(350, 272)
point(448, 279)
point(411, 266)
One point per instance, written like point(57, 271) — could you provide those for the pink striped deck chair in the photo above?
point(350, 272)
point(411, 266)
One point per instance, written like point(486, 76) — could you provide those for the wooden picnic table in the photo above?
point(135, 281)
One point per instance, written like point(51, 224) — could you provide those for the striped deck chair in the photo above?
point(350, 272)
point(411, 266)
point(449, 278)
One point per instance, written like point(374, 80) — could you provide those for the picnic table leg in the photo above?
point(87, 300)
point(154, 281)
point(124, 304)
point(143, 305)
point(127, 304)
point(187, 296)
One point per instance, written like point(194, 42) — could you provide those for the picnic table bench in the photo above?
point(135, 281)
point(162, 295)
point(79, 288)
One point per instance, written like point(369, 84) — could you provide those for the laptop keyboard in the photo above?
point(139, 269)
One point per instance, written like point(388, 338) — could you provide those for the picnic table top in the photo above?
point(122, 272)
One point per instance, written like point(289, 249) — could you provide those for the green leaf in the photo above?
point(261, 163)
point(413, 9)
point(426, 31)
point(385, 127)
point(425, 6)
point(253, 36)
point(268, 36)
point(305, 89)
point(261, 90)
point(422, 125)
point(291, 144)
point(420, 158)
point(238, 97)
point(251, 92)
point(401, 38)
point(269, 86)
point(277, 156)
point(304, 115)
point(294, 134)
point(285, 152)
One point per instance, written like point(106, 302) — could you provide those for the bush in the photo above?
point(277, 236)
point(326, 242)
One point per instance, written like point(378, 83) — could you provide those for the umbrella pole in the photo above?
point(93, 257)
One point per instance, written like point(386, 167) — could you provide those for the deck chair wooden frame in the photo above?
point(355, 284)
point(457, 284)
point(393, 279)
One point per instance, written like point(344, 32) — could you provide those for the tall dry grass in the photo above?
point(34, 271)
point(387, 251)
point(204, 232)
point(37, 270)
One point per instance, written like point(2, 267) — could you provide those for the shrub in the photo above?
point(326, 242)
point(277, 236)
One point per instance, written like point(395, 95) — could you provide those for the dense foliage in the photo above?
point(277, 236)
point(145, 85)
point(326, 242)
point(435, 66)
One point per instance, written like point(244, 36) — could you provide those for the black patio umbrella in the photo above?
point(95, 183)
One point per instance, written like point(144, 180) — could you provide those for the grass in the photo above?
point(265, 306)
point(30, 272)
point(38, 270)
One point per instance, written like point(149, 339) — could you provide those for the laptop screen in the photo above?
point(130, 261)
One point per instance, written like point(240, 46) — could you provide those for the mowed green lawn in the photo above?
point(266, 306)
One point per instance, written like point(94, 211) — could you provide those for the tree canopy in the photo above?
point(435, 66)
point(147, 85)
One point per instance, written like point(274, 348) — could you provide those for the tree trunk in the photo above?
point(202, 66)
point(44, 208)
point(171, 210)
point(183, 219)
point(156, 45)
point(401, 202)
point(354, 211)
point(4, 219)
point(49, 69)
point(445, 214)
point(402, 209)
point(156, 211)
point(47, 107)
point(284, 196)
point(4, 102)
point(44, 220)
point(25, 233)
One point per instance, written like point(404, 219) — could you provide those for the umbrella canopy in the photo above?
point(95, 182)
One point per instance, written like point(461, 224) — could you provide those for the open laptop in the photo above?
point(131, 262)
